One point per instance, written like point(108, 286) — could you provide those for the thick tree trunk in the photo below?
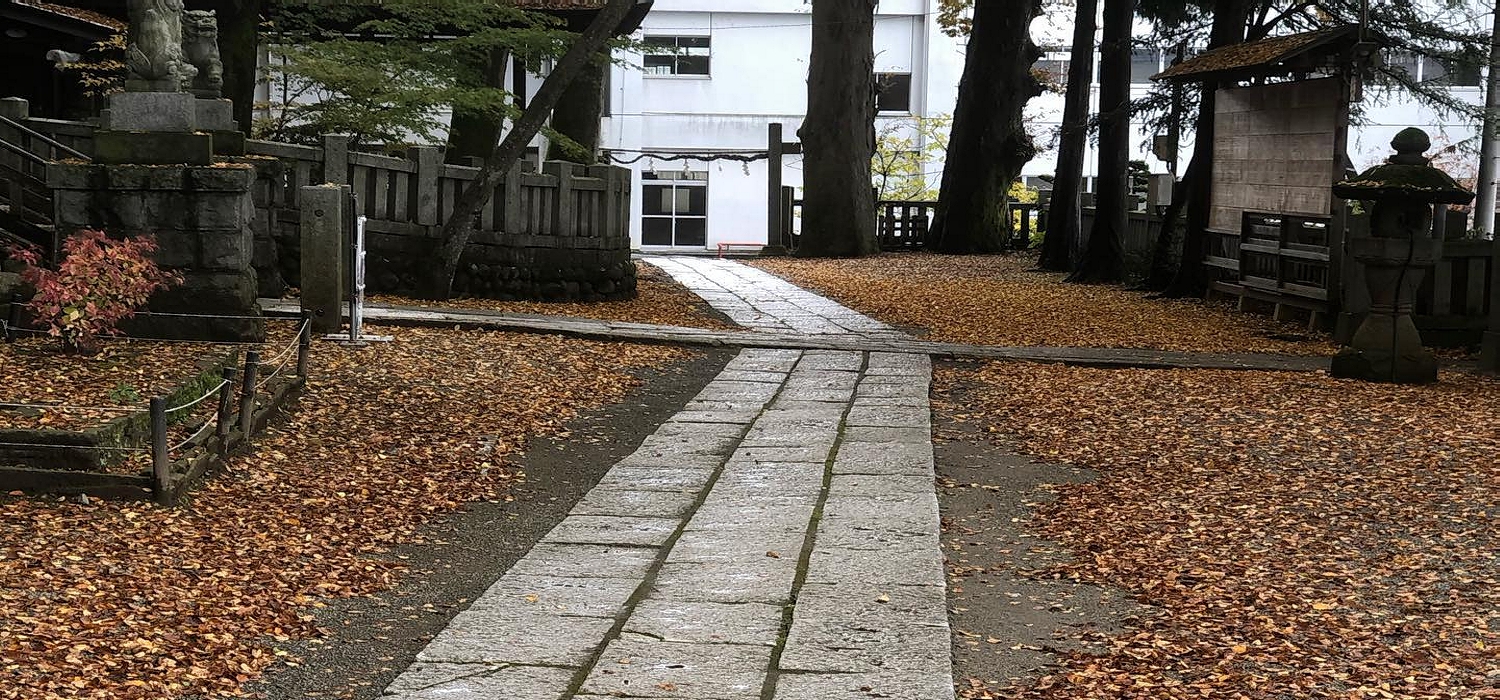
point(239, 49)
point(989, 144)
point(838, 136)
point(578, 113)
point(472, 133)
point(1228, 28)
point(460, 224)
point(1103, 256)
point(1162, 270)
point(1063, 215)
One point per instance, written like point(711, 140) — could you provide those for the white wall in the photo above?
point(758, 76)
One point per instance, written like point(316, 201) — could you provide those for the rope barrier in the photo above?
point(290, 348)
point(201, 430)
point(200, 399)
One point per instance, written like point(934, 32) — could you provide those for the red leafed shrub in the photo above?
point(100, 282)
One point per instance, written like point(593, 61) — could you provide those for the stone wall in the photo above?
point(202, 219)
point(532, 267)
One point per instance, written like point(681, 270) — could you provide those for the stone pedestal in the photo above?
point(202, 220)
point(1387, 346)
point(216, 117)
point(153, 128)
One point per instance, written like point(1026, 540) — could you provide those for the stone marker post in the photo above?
point(324, 249)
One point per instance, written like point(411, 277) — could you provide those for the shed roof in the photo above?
point(78, 14)
point(1276, 55)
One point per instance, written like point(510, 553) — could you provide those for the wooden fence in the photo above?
point(412, 196)
point(904, 225)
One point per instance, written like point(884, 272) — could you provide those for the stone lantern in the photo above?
point(1396, 255)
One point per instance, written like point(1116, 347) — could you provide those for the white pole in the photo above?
point(1489, 154)
point(357, 309)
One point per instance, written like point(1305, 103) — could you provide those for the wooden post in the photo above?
point(247, 394)
point(336, 159)
point(564, 222)
point(161, 476)
point(788, 217)
point(515, 221)
point(774, 208)
point(226, 410)
point(429, 165)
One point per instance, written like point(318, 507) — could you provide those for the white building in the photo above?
point(737, 66)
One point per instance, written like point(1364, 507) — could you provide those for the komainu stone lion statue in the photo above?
point(154, 53)
point(200, 46)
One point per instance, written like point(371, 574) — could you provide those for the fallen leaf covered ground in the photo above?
point(124, 374)
point(1300, 536)
point(660, 300)
point(126, 601)
point(997, 300)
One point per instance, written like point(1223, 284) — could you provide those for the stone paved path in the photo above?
point(777, 539)
point(761, 301)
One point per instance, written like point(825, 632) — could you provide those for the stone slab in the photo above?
point(707, 623)
point(585, 561)
point(742, 545)
point(864, 686)
point(862, 627)
point(601, 529)
point(750, 579)
point(515, 594)
point(657, 479)
point(899, 459)
point(502, 636)
point(636, 503)
point(443, 681)
point(637, 666)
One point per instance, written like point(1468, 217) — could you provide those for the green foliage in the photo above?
point(903, 149)
point(125, 394)
point(392, 77)
point(101, 72)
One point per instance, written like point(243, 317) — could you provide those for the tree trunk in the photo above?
point(239, 49)
point(1162, 271)
point(472, 133)
point(578, 113)
point(989, 144)
point(838, 136)
point(1103, 256)
point(1063, 215)
point(460, 225)
point(1228, 28)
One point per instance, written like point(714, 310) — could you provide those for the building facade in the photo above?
point(691, 117)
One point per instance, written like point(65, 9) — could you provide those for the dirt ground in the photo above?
point(1009, 628)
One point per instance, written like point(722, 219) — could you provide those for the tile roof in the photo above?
point(1253, 54)
point(77, 13)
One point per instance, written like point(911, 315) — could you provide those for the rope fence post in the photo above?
point(160, 466)
point(13, 319)
point(226, 410)
point(247, 393)
point(304, 344)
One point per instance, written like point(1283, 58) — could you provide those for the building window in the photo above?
point(1445, 72)
point(677, 55)
point(674, 208)
point(1144, 63)
point(893, 92)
